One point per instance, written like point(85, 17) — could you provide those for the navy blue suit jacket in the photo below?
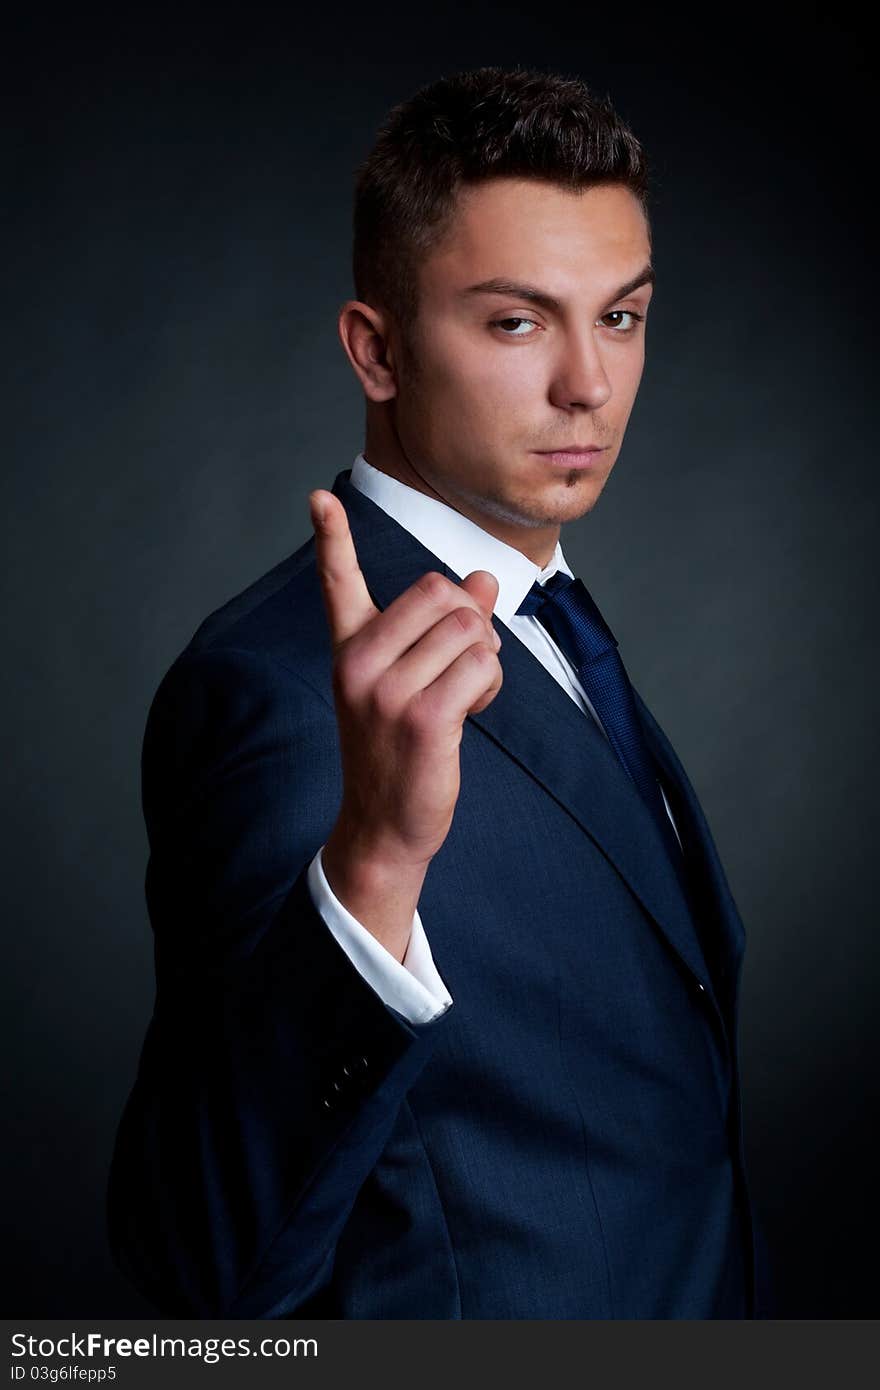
point(564, 1142)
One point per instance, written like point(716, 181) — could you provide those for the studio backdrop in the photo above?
point(177, 237)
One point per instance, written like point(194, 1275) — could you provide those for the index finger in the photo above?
point(346, 598)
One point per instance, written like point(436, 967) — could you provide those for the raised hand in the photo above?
point(404, 680)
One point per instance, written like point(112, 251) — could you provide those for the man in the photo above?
point(446, 961)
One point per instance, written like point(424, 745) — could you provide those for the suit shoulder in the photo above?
point(262, 660)
point(280, 616)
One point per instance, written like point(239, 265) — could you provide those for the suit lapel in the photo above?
point(696, 838)
point(538, 725)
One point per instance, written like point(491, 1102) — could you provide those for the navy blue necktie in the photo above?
point(564, 607)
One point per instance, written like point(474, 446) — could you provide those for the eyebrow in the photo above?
point(515, 289)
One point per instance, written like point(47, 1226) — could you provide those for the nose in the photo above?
point(579, 378)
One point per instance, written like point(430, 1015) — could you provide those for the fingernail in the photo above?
point(497, 639)
point(317, 505)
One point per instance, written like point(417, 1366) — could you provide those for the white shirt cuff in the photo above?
point(414, 988)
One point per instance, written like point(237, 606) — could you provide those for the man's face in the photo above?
point(499, 378)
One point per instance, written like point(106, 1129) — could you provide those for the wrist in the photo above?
point(367, 862)
point(380, 891)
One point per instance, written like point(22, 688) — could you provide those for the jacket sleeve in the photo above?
point(271, 1073)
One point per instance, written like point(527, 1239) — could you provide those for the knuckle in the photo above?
point(469, 620)
point(433, 586)
point(384, 698)
point(480, 654)
point(488, 663)
point(419, 716)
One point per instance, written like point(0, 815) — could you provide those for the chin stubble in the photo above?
point(498, 507)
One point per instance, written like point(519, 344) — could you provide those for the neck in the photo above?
point(382, 451)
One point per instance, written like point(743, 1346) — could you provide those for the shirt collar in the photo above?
point(455, 539)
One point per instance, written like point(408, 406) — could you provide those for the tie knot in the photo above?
point(565, 607)
point(539, 593)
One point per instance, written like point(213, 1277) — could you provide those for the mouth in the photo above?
point(572, 455)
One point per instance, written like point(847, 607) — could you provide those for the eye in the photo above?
point(622, 314)
point(500, 323)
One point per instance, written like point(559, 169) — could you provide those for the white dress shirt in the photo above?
point(414, 987)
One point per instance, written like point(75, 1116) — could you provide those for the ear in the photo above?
point(363, 332)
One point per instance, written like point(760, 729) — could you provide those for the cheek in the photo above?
point(624, 373)
point(475, 393)
point(633, 368)
point(499, 384)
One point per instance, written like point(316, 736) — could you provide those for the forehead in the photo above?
point(527, 230)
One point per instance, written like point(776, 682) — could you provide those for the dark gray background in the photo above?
point(176, 226)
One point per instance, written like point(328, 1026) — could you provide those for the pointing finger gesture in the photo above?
point(346, 598)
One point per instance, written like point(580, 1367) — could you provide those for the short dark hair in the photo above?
point(466, 129)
